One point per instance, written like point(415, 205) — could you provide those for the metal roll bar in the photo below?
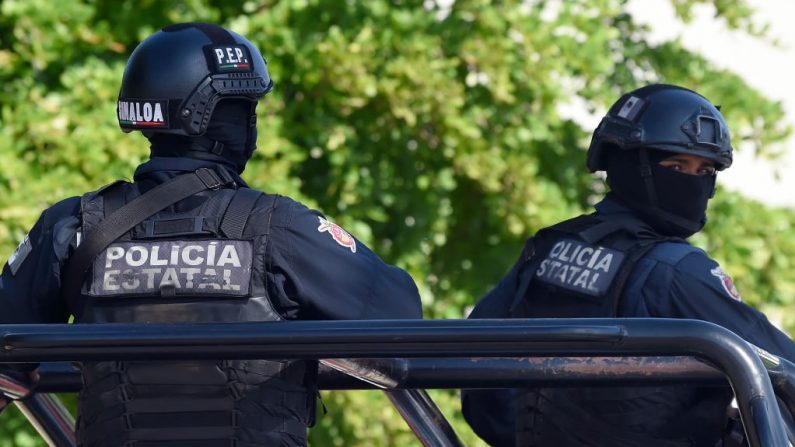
point(416, 339)
point(50, 418)
point(476, 372)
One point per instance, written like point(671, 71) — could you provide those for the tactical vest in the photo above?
point(201, 264)
point(578, 269)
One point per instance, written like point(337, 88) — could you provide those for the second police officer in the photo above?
point(661, 146)
point(188, 241)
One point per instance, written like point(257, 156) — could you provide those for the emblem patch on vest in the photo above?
point(206, 267)
point(580, 267)
point(340, 236)
point(727, 283)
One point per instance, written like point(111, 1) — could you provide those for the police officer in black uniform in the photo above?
point(661, 146)
point(188, 241)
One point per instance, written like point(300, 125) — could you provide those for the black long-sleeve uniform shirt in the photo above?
point(319, 271)
point(673, 280)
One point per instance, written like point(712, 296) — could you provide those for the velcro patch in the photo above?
point(206, 267)
point(18, 257)
point(142, 113)
point(631, 108)
point(228, 58)
point(339, 235)
point(580, 267)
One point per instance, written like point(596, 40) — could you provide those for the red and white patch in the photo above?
point(727, 283)
point(340, 236)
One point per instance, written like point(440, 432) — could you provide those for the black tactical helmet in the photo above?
point(664, 117)
point(175, 77)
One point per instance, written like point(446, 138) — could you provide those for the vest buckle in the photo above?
point(124, 393)
point(210, 179)
point(128, 421)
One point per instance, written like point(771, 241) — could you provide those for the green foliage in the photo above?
point(435, 135)
point(16, 431)
point(737, 14)
point(756, 244)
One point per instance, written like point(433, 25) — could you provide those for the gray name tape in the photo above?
point(206, 267)
point(580, 267)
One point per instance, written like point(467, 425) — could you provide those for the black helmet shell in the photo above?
point(175, 77)
point(663, 117)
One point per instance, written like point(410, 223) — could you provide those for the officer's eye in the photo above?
point(706, 170)
point(671, 164)
point(688, 166)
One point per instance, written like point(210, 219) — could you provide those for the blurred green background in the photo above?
point(431, 132)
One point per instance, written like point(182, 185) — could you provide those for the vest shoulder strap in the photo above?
point(523, 275)
point(593, 228)
point(234, 220)
point(91, 201)
point(113, 197)
point(673, 252)
point(575, 225)
point(620, 282)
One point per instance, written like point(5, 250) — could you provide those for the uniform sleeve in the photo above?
point(320, 271)
point(497, 303)
point(697, 287)
point(30, 282)
point(491, 413)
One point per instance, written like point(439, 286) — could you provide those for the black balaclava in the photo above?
point(672, 202)
point(230, 139)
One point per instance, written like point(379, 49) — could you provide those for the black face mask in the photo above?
point(230, 139)
point(677, 204)
point(234, 123)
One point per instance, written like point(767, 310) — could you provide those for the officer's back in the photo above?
point(187, 241)
point(661, 146)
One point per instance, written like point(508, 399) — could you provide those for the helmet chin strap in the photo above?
point(251, 135)
point(204, 144)
point(645, 173)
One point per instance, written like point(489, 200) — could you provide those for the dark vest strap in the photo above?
point(524, 275)
point(236, 215)
point(126, 218)
point(113, 199)
point(601, 230)
point(621, 279)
